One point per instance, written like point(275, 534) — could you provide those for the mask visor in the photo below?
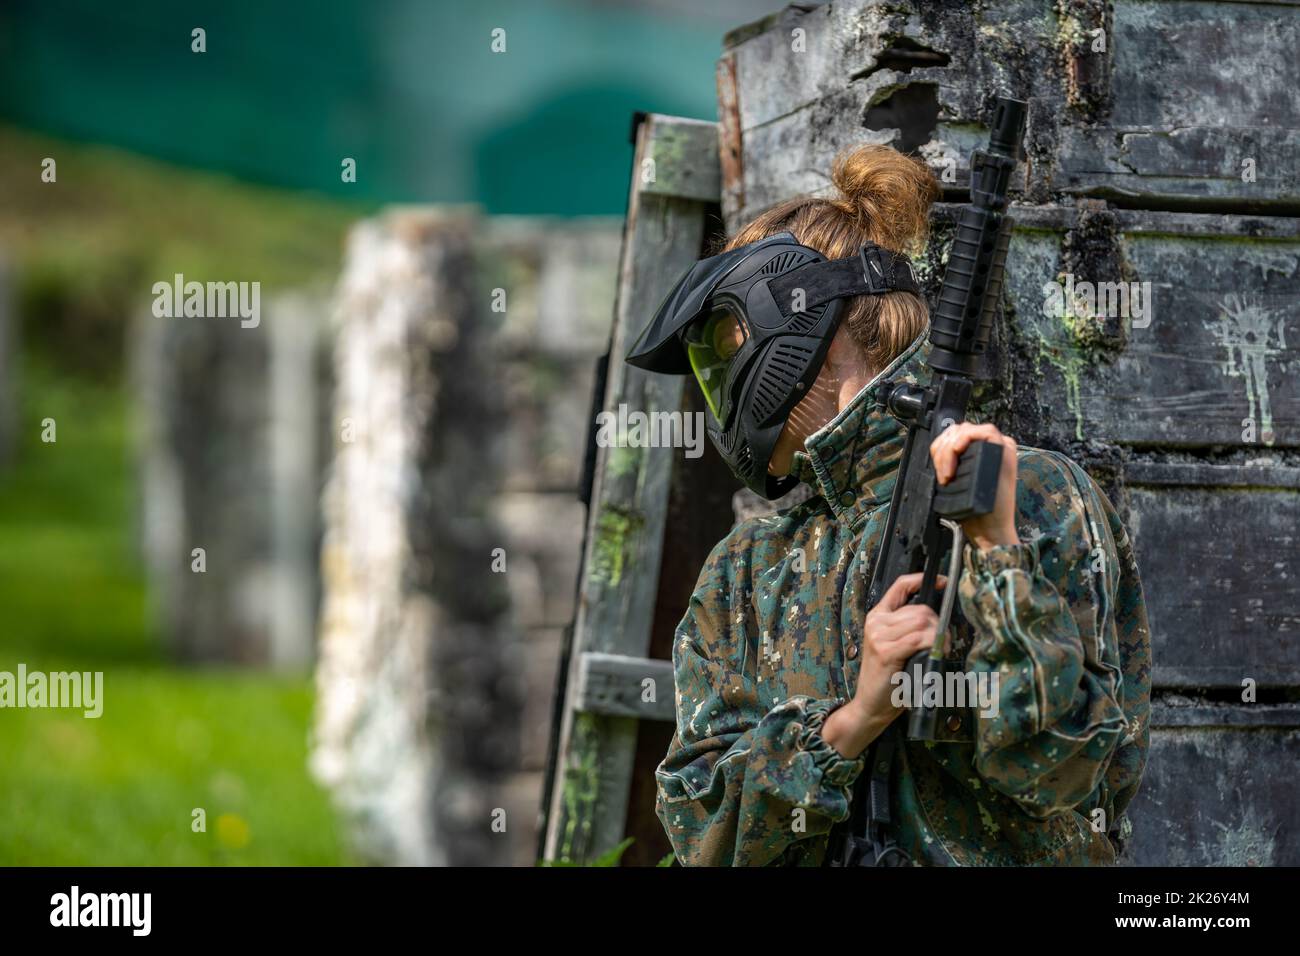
point(710, 346)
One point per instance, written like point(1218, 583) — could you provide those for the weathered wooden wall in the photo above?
point(1164, 116)
point(1162, 147)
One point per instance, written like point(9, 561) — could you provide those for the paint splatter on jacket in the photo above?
point(770, 643)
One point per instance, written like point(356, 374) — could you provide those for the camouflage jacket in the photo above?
point(769, 647)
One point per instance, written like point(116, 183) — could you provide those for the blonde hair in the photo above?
point(885, 198)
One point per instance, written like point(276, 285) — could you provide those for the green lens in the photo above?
point(709, 374)
point(710, 346)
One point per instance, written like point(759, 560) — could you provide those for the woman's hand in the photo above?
point(894, 631)
point(996, 528)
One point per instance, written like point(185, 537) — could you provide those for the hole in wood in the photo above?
point(912, 110)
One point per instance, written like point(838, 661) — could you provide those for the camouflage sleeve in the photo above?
point(1043, 613)
point(744, 784)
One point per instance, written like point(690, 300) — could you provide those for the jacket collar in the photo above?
point(853, 459)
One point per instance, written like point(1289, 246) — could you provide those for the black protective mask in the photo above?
point(754, 325)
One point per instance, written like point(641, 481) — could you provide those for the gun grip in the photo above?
point(973, 491)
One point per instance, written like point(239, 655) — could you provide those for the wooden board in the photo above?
point(616, 685)
point(1221, 570)
point(619, 582)
point(1213, 796)
point(1210, 365)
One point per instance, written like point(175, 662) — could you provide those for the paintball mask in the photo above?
point(753, 326)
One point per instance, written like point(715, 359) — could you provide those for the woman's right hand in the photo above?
point(894, 631)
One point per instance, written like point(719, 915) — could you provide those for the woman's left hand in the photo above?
point(999, 527)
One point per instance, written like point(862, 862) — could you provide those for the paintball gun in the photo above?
point(925, 519)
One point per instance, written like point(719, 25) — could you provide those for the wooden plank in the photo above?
point(1215, 65)
point(730, 145)
point(1194, 167)
point(1221, 569)
point(616, 685)
point(1217, 797)
point(1155, 222)
point(1210, 365)
point(1198, 88)
point(681, 161)
point(620, 575)
point(1256, 473)
point(1167, 713)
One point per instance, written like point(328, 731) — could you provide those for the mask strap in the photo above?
point(873, 271)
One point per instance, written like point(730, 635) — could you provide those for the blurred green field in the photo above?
point(121, 789)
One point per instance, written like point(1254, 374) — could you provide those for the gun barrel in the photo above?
point(972, 283)
point(1008, 125)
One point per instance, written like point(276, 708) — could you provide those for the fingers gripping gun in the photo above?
point(924, 519)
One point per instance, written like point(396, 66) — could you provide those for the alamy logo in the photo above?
point(59, 689)
point(1128, 300)
point(977, 689)
point(651, 430)
point(103, 909)
point(211, 300)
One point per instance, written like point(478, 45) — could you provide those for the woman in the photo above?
point(783, 676)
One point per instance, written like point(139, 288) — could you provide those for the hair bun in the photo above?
point(888, 193)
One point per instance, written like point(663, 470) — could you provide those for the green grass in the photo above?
point(121, 789)
point(70, 581)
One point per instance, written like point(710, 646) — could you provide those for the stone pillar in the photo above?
point(417, 704)
point(229, 457)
